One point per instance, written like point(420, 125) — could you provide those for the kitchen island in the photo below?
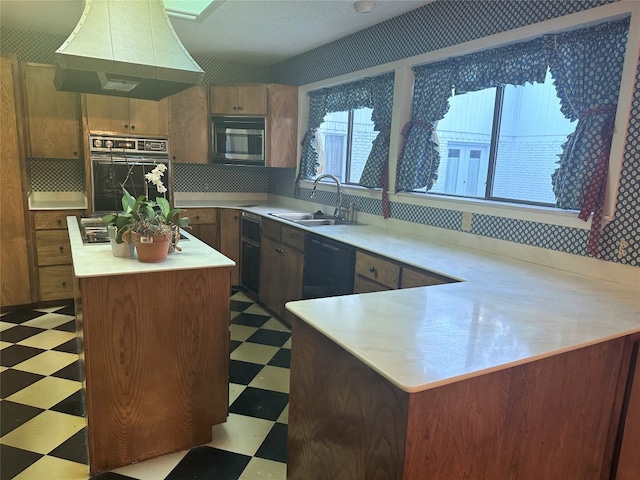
point(155, 346)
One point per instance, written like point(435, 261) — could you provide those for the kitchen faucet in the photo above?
point(338, 211)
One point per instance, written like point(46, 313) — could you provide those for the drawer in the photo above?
point(364, 285)
point(53, 220)
point(377, 269)
point(271, 229)
point(292, 237)
point(56, 283)
point(53, 247)
point(421, 278)
point(199, 216)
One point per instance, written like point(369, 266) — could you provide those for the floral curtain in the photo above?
point(375, 173)
point(511, 65)
point(420, 156)
point(327, 100)
point(587, 68)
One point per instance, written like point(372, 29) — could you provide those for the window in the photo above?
point(343, 143)
point(502, 143)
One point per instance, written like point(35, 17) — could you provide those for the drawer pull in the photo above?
point(61, 249)
point(75, 154)
point(126, 125)
point(64, 284)
point(197, 217)
point(372, 269)
point(59, 221)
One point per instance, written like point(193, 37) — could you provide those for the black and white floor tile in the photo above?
point(43, 427)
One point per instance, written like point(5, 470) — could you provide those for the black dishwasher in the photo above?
point(328, 267)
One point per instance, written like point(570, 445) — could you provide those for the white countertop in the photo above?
point(503, 313)
point(95, 260)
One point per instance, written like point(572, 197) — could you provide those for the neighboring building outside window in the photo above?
point(529, 134)
point(343, 143)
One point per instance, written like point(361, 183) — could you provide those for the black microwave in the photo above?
point(238, 140)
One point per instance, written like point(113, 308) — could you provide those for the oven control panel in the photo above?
point(129, 145)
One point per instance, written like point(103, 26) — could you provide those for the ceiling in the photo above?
point(262, 32)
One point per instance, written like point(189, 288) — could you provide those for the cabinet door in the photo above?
point(56, 283)
point(107, 114)
point(16, 286)
point(148, 117)
point(230, 239)
point(224, 99)
point(207, 232)
point(270, 278)
point(377, 269)
point(292, 265)
point(189, 126)
point(52, 117)
point(282, 126)
point(252, 100)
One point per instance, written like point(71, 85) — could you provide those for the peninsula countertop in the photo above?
point(95, 260)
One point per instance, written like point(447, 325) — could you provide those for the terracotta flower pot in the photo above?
point(151, 249)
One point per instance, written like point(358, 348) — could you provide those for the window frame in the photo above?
point(403, 87)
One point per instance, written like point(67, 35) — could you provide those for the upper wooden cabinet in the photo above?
point(105, 113)
point(282, 126)
point(53, 127)
point(189, 126)
point(239, 99)
point(277, 103)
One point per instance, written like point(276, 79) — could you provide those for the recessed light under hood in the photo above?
point(127, 49)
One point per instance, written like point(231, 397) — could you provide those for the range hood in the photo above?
point(125, 48)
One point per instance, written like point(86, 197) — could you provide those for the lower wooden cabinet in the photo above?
point(230, 239)
point(281, 268)
point(204, 224)
point(374, 274)
point(53, 254)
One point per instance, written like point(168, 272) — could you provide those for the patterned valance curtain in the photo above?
point(420, 156)
point(510, 65)
point(375, 173)
point(586, 66)
point(327, 100)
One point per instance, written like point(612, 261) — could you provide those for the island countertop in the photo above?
point(95, 260)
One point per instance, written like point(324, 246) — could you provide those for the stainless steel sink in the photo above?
point(310, 219)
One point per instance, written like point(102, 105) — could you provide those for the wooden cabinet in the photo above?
point(239, 99)
point(53, 254)
point(374, 273)
point(277, 103)
point(281, 267)
point(282, 126)
point(14, 264)
point(629, 461)
point(204, 224)
point(125, 115)
point(52, 117)
point(421, 278)
point(189, 126)
point(230, 239)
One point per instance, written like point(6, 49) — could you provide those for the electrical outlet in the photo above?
point(622, 248)
point(467, 218)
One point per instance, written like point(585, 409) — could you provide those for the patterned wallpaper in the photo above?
point(191, 177)
point(444, 23)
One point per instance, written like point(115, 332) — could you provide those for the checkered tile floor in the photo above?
point(43, 429)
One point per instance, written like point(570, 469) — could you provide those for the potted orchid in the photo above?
point(151, 225)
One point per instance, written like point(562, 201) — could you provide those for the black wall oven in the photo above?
point(250, 252)
point(119, 160)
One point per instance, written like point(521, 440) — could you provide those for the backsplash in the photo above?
point(55, 175)
point(191, 177)
point(429, 28)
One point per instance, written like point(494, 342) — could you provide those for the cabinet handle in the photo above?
point(197, 217)
point(59, 221)
point(64, 284)
point(174, 157)
point(75, 154)
point(372, 269)
point(133, 127)
point(126, 125)
point(61, 249)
